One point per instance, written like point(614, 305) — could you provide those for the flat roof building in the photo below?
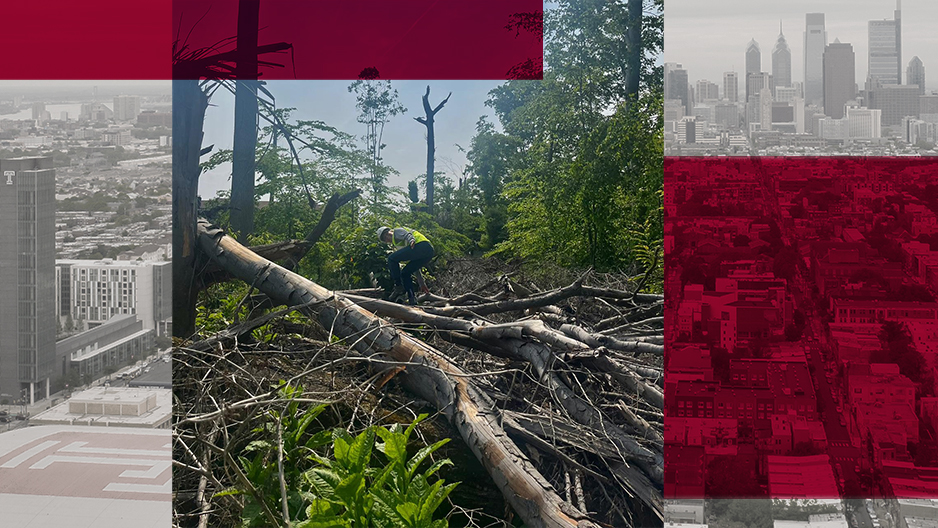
point(58, 475)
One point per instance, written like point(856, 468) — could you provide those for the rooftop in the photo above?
point(53, 476)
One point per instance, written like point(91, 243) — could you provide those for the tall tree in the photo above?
point(583, 187)
point(427, 121)
point(245, 131)
point(377, 103)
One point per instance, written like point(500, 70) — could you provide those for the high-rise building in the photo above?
point(781, 60)
point(753, 63)
point(839, 78)
point(707, 91)
point(673, 110)
point(815, 40)
point(726, 115)
point(731, 86)
point(677, 86)
point(126, 107)
point(757, 81)
point(27, 277)
point(38, 110)
point(885, 50)
point(915, 74)
point(896, 101)
point(765, 109)
point(928, 104)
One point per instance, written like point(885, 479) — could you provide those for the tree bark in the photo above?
point(242, 159)
point(190, 105)
point(635, 49)
point(429, 374)
point(245, 128)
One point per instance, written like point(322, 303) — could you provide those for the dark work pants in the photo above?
point(416, 257)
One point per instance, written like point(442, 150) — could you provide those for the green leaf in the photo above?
point(408, 512)
point(423, 454)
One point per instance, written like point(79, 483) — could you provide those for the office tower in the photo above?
point(673, 110)
point(915, 74)
point(731, 86)
point(707, 90)
point(896, 101)
point(839, 78)
point(927, 105)
point(753, 62)
point(765, 109)
point(126, 107)
point(38, 110)
point(781, 60)
point(27, 277)
point(815, 40)
point(885, 50)
point(677, 86)
point(757, 81)
point(726, 115)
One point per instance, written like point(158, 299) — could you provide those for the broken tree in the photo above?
point(626, 451)
point(427, 121)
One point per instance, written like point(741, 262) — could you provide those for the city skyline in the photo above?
point(707, 54)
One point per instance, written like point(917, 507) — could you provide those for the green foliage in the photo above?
point(217, 307)
point(575, 177)
point(346, 486)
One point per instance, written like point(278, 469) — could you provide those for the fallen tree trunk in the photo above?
point(429, 374)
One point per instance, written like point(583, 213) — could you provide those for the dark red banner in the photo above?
point(801, 327)
point(318, 39)
point(100, 39)
point(296, 39)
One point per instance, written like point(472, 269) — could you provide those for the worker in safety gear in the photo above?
point(415, 249)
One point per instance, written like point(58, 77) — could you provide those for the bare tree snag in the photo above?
point(427, 121)
point(190, 105)
point(429, 374)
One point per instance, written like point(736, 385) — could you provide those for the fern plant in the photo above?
point(348, 486)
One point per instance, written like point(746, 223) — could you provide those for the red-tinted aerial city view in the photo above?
point(801, 327)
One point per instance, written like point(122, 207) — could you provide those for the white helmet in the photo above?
point(381, 231)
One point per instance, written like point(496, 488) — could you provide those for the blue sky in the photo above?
point(330, 101)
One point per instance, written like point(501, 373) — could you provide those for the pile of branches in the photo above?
point(557, 391)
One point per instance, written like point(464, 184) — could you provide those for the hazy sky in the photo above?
point(710, 37)
point(330, 101)
point(51, 90)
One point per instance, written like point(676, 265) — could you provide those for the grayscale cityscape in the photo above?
point(840, 101)
point(85, 306)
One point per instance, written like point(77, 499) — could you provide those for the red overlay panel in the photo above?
point(801, 327)
point(101, 39)
point(418, 39)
